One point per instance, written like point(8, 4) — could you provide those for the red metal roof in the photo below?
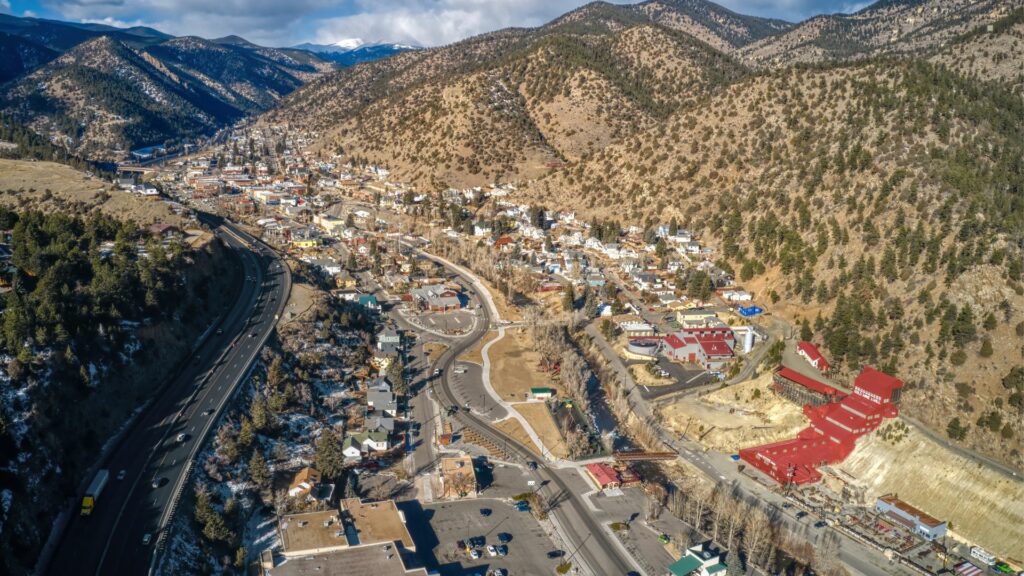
point(715, 348)
point(807, 382)
point(674, 342)
point(876, 382)
point(812, 352)
point(603, 473)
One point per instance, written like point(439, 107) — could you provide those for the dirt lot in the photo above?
point(514, 367)
point(475, 354)
point(984, 507)
point(507, 312)
point(74, 192)
point(434, 349)
point(301, 299)
point(536, 413)
point(513, 428)
point(735, 418)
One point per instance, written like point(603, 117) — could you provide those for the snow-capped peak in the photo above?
point(349, 43)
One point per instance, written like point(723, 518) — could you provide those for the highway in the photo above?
point(599, 553)
point(151, 464)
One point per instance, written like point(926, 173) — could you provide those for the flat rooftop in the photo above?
point(311, 532)
point(369, 560)
point(377, 522)
point(922, 517)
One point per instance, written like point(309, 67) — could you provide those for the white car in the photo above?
point(474, 554)
point(120, 475)
point(181, 437)
point(492, 551)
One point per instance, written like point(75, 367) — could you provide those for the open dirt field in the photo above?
point(74, 192)
point(514, 368)
point(513, 428)
point(434, 349)
point(301, 299)
point(734, 419)
point(984, 507)
point(475, 354)
point(536, 413)
point(511, 313)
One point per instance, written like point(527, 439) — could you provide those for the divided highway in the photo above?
point(152, 462)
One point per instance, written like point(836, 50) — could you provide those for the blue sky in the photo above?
point(289, 22)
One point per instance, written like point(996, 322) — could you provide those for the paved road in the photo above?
point(596, 549)
point(110, 541)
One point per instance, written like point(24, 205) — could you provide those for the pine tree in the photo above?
point(258, 469)
point(329, 458)
point(733, 565)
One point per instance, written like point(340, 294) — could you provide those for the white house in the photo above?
point(737, 296)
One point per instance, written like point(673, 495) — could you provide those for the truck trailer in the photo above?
point(94, 491)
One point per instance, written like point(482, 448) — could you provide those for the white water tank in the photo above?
point(748, 341)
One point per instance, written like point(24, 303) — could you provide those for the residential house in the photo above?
point(380, 397)
point(351, 449)
point(304, 482)
point(372, 441)
point(737, 296)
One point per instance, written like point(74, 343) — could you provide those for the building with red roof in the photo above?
point(603, 475)
point(833, 431)
point(710, 348)
point(801, 389)
point(813, 356)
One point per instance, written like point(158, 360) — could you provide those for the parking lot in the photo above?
point(455, 321)
point(685, 376)
point(437, 527)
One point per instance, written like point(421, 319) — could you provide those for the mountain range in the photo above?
point(99, 90)
point(353, 51)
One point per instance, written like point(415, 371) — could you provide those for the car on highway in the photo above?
point(800, 515)
point(146, 539)
point(252, 334)
point(207, 412)
point(220, 331)
point(158, 482)
point(181, 437)
point(121, 474)
point(820, 524)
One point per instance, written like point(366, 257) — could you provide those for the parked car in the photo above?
point(485, 512)
point(820, 524)
point(492, 551)
point(504, 537)
point(502, 550)
point(474, 554)
point(531, 465)
point(800, 514)
point(663, 539)
point(556, 554)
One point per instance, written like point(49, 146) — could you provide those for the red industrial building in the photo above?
point(801, 389)
point(711, 347)
point(832, 435)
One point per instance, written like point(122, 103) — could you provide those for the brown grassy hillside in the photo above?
point(842, 196)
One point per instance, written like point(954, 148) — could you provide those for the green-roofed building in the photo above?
point(684, 566)
point(699, 560)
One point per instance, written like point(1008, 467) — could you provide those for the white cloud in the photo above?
point(436, 22)
point(108, 21)
point(5, 6)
